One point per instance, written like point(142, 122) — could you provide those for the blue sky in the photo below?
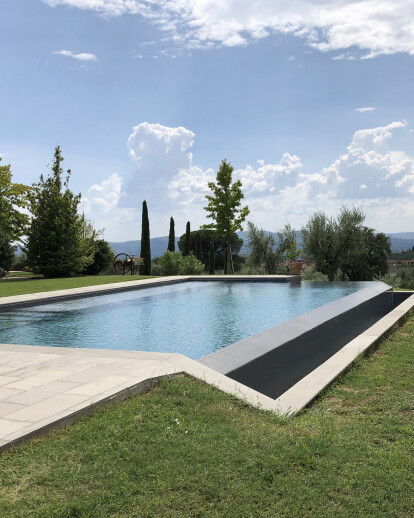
point(310, 101)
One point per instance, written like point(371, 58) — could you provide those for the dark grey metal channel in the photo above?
point(273, 361)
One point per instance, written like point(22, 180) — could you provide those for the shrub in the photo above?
point(170, 263)
point(310, 273)
point(191, 266)
point(102, 259)
point(174, 263)
point(392, 279)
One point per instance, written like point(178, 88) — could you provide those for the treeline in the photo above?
point(60, 242)
point(341, 248)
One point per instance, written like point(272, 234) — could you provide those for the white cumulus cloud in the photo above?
point(373, 26)
point(81, 56)
point(368, 173)
point(104, 196)
point(365, 109)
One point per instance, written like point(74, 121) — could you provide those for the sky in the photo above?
point(311, 101)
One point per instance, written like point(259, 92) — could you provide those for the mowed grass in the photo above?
point(10, 287)
point(187, 450)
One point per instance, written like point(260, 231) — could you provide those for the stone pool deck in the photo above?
point(42, 388)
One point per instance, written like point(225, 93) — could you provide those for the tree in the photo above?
point(224, 208)
point(171, 237)
point(54, 244)
point(262, 248)
point(320, 240)
point(286, 238)
point(102, 258)
point(145, 268)
point(211, 260)
point(198, 247)
point(13, 198)
point(187, 242)
point(89, 241)
point(346, 245)
point(208, 235)
point(6, 255)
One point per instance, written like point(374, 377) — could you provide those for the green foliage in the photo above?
point(187, 240)
point(169, 264)
point(171, 236)
point(198, 253)
point(102, 258)
point(293, 252)
point(345, 244)
point(20, 262)
point(263, 254)
point(174, 263)
point(392, 279)
point(206, 236)
point(13, 198)
point(211, 259)
point(55, 245)
point(253, 269)
point(310, 273)
point(145, 268)
point(6, 255)
point(89, 241)
point(321, 241)
point(224, 207)
point(286, 239)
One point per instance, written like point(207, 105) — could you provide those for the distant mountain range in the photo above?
point(399, 241)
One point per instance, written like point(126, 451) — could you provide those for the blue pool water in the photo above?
point(194, 318)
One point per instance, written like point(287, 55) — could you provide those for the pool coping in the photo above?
point(98, 382)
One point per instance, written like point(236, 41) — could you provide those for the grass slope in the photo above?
point(186, 449)
point(10, 287)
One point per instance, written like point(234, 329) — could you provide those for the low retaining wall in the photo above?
point(273, 361)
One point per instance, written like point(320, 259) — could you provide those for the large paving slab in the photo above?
point(46, 387)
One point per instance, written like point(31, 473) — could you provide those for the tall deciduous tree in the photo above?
point(224, 208)
point(13, 198)
point(171, 236)
point(187, 242)
point(54, 244)
point(145, 268)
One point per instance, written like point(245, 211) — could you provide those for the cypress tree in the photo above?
point(187, 242)
point(145, 268)
point(171, 237)
point(211, 260)
point(198, 247)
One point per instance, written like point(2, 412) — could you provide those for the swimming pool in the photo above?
point(193, 318)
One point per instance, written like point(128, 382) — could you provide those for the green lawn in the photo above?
point(9, 287)
point(187, 450)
